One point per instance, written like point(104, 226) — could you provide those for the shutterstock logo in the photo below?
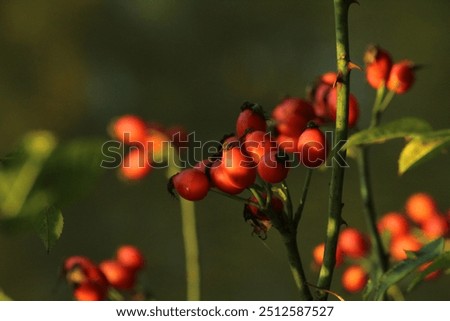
point(308, 151)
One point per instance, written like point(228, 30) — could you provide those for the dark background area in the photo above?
point(71, 66)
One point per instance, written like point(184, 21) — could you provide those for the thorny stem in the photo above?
point(301, 205)
point(341, 133)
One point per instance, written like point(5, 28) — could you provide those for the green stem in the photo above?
point(341, 133)
point(295, 263)
point(369, 209)
point(301, 205)
point(290, 210)
point(190, 239)
point(376, 112)
point(234, 197)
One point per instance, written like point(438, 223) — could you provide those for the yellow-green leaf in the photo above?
point(423, 148)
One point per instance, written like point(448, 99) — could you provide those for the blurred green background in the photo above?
point(70, 66)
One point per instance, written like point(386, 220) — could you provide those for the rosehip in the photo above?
point(394, 223)
point(221, 179)
point(251, 117)
point(80, 269)
point(89, 292)
point(257, 143)
point(403, 243)
point(353, 243)
point(240, 168)
point(319, 251)
point(157, 145)
point(436, 226)
point(353, 107)
point(287, 144)
point(136, 164)
point(191, 184)
point(129, 129)
point(354, 279)
point(420, 207)
point(130, 257)
point(292, 115)
point(378, 65)
point(312, 147)
point(401, 77)
point(272, 168)
point(178, 136)
point(117, 275)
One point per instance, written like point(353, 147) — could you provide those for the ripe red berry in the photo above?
point(395, 223)
point(353, 107)
point(251, 117)
point(292, 115)
point(257, 143)
point(354, 279)
point(312, 147)
point(319, 251)
point(272, 168)
point(403, 243)
point(191, 184)
point(129, 129)
point(287, 144)
point(420, 207)
point(136, 164)
point(320, 94)
point(378, 65)
point(239, 167)
point(353, 243)
point(80, 269)
point(401, 77)
point(156, 145)
point(117, 275)
point(130, 257)
point(435, 226)
point(221, 179)
point(89, 292)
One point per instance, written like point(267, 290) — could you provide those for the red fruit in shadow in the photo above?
point(191, 184)
point(250, 118)
point(292, 116)
point(312, 147)
point(353, 107)
point(401, 77)
point(272, 168)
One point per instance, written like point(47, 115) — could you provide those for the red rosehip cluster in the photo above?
point(381, 71)
point(422, 223)
point(91, 282)
point(324, 99)
point(255, 151)
point(352, 245)
point(147, 142)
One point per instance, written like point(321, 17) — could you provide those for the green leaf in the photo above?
point(403, 269)
point(405, 127)
point(442, 262)
point(49, 225)
point(423, 148)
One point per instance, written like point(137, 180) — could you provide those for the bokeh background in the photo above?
point(70, 66)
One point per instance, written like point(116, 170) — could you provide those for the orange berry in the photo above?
point(353, 243)
point(130, 257)
point(129, 129)
point(378, 65)
point(89, 292)
point(354, 279)
point(420, 207)
point(319, 251)
point(394, 223)
point(436, 226)
point(117, 275)
point(135, 165)
point(401, 77)
point(404, 243)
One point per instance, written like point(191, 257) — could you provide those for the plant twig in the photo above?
point(341, 133)
point(301, 205)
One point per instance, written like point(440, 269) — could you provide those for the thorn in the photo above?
point(351, 65)
point(338, 79)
